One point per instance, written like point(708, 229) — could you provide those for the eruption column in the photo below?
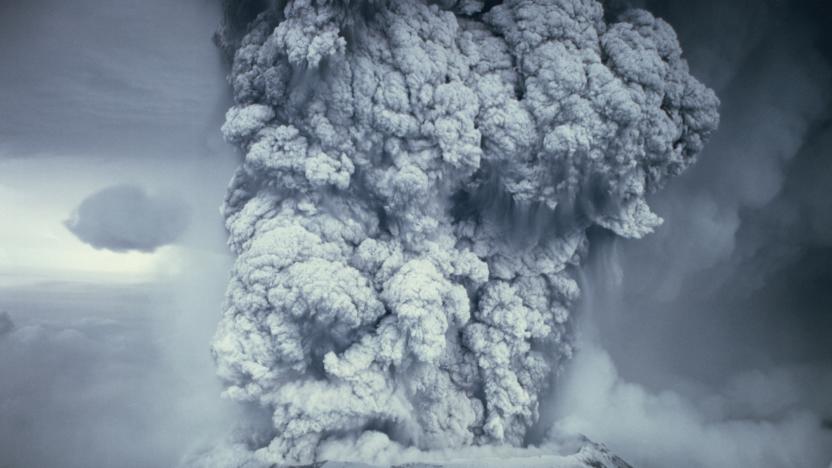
point(417, 183)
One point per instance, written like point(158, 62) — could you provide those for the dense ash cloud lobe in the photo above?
point(413, 203)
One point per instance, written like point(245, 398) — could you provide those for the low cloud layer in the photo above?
point(123, 218)
point(96, 375)
point(758, 418)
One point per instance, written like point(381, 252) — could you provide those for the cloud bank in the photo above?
point(123, 218)
point(96, 375)
point(757, 419)
point(413, 205)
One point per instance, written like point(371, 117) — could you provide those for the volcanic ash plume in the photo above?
point(412, 206)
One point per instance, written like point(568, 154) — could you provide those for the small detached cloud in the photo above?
point(123, 218)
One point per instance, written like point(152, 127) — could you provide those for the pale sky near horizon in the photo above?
point(139, 102)
point(38, 245)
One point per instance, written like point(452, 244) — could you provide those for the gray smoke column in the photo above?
point(413, 204)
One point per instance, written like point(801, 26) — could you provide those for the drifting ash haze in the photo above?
point(412, 209)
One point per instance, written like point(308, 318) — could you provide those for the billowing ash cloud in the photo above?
point(124, 217)
point(417, 184)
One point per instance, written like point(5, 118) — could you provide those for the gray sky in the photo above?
point(116, 78)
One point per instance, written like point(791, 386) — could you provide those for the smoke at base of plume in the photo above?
point(414, 200)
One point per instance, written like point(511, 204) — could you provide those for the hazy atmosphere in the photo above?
point(420, 231)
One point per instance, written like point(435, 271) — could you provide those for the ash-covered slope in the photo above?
point(417, 183)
